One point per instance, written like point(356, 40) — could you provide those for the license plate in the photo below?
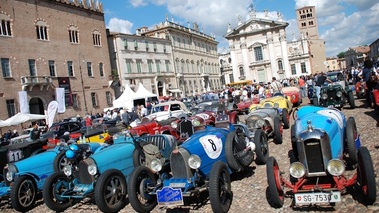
point(81, 188)
point(320, 197)
point(169, 197)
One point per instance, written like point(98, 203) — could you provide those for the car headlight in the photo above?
point(92, 168)
point(195, 122)
point(260, 122)
point(297, 170)
point(276, 105)
point(339, 94)
point(12, 170)
point(336, 167)
point(293, 97)
point(174, 124)
point(67, 170)
point(324, 96)
point(156, 165)
point(194, 161)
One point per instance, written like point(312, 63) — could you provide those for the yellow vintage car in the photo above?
point(281, 102)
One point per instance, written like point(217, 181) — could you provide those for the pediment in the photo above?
point(255, 25)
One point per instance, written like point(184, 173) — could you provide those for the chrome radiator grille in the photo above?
point(314, 156)
point(179, 165)
point(84, 176)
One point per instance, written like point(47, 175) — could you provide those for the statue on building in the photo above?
point(239, 20)
point(252, 11)
point(166, 17)
point(279, 16)
point(266, 13)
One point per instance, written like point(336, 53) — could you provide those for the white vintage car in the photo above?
point(168, 109)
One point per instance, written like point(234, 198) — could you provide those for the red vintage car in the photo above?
point(360, 88)
point(245, 105)
point(153, 127)
point(294, 94)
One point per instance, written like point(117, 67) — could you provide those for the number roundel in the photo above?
point(212, 145)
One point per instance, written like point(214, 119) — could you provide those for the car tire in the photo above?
point(220, 188)
point(110, 191)
point(351, 133)
point(261, 147)
point(138, 159)
point(285, 119)
point(23, 193)
point(278, 139)
point(315, 101)
point(275, 194)
point(366, 176)
point(230, 151)
point(37, 151)
point(54, 186)
point(294, 143)
point(138, 180)
point(351, 100)
point(60, 161)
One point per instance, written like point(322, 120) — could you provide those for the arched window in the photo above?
point(41, 30)
point(73, 34)
point(5, 25)
point(242, 73)
point(96, 37)
point(280, 64)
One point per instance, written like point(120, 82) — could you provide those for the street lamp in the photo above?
point(81, 79)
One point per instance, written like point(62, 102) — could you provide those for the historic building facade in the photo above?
point(141, 59)
point(259, 51)
point(307, 24)
point(355, 56)
point(194, 56)
point(49, 44)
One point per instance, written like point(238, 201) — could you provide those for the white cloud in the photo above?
point(138, 3)
point(120, 25)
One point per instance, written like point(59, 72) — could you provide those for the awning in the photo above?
point(175, 90)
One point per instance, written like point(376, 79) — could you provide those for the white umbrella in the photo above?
point(3, 123)
point(23, 117)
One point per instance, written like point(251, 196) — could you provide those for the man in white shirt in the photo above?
point(276, 86)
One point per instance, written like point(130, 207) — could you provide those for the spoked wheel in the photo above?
point(54, 186)
point(275, 196)
point(278, 139)
point(230, 151)
point(220, 188)
point(366, 176)
point(138, 159)
point(294, 142)
point(262, 150)
point(23, 193)
point(139, 181)
point(285, 119)
point(351, 134)
point(110, 191)
point(60, 161)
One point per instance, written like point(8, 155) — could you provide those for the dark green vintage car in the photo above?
point(337, 93)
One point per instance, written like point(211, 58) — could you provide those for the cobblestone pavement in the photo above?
point(249, 188)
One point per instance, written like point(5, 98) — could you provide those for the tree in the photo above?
point(341, 55)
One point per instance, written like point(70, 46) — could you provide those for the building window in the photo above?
point(157, 65)
point(164, 48)
point(5, 25)
point(52, 67)
point(138, 62)
point(231, 78)
point(32, 67)
point(70, 68)
point(75, 102)
point(96, 38)
point(11, 107)
point(303, 68)
point(258, 53)
point(73, 34)
point(5, 67)
point(182, 66)
point(147, 45)
point(108, 96)
point(41, 29)
point(129, 66)
point(101, 69)
point(167, 63)
point(280, 64)
point(125, 44)
point(293, 69)
point(242, 73)
point(94, 99)
point(173, 41)
point(150, 66)
point(155, 46)
point(135, 45)
point(89, 69)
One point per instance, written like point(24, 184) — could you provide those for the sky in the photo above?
point(342, 23)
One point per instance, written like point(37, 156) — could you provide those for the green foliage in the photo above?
point(341, 55)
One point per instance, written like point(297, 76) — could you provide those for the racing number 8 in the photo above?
point(212, 144)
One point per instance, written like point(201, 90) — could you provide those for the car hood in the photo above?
point(38, 164)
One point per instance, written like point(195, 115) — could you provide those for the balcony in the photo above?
point(262, 62)
point(29, 82)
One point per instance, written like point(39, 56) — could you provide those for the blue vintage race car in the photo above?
point(203, 162)
point(25, 178)
point(103, 175)
point(325, 144)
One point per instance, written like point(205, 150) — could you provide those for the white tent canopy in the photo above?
point(142, 92)
point(126, 99)
point(21, 118)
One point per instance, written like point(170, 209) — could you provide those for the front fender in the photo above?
point(233, 117)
